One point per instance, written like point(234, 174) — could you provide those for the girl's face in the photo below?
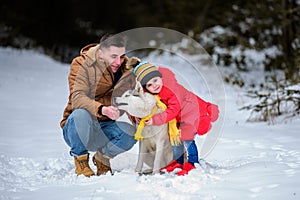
point(154, 85)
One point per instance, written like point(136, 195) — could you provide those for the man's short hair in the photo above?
point(112, 40)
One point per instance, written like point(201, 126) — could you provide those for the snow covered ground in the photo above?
point(249, 161)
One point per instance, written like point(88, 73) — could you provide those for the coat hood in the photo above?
point(89, 51)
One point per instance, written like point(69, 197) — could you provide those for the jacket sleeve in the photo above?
point(80, 89)
point(172, 110)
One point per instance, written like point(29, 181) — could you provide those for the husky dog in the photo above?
point(154, 149)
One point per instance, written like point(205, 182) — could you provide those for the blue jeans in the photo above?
point(192, 152)
point(83, 133)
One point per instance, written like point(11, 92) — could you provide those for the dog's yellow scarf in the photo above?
point(174, 132)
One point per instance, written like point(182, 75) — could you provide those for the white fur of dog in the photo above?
point(154, 149)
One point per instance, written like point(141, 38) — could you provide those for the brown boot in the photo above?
point(82, 165)
point(102, 163)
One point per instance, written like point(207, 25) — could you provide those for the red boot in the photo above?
point(185, 169)
point(171, 166)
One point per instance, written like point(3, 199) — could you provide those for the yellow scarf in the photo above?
point(174, 132)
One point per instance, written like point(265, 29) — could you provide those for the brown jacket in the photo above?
point(91, 83)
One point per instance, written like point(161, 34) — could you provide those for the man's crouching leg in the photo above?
point(77, 132)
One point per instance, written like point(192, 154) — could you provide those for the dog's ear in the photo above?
point(135, 93)
point(132, 62)
point(139, 88)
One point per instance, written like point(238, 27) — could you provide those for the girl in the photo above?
point(193, 115)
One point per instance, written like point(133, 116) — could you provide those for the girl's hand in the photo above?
point(137, 120)
point(149, 122)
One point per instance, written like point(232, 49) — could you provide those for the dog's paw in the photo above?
point(147, 172)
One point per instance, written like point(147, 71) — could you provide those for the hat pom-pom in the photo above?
point(132, 62)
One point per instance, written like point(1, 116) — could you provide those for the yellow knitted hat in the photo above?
point(145, 71)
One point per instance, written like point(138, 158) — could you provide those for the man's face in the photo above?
point(114, 56)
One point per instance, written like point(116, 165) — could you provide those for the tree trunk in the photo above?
point(288, 35)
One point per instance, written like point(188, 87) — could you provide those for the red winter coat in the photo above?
point(193, 114)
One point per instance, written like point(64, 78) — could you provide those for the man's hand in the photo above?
point(111, 112)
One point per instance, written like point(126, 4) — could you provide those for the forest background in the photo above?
point(61, 28)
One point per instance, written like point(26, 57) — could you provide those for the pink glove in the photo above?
point(213, 112)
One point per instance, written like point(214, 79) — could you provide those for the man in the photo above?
point(98, 74)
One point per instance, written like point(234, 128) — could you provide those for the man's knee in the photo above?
point(82, 121)
point(81, 115)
